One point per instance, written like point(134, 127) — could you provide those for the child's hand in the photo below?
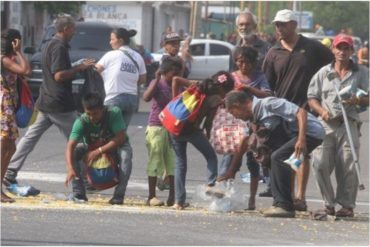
point(158, 75)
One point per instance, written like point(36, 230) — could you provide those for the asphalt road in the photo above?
point(49, 220)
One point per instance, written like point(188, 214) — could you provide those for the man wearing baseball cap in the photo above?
point(289, 66)
point(172, 44)
point(172, 47)
point(333, 153)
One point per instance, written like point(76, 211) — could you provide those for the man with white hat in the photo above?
point(289, 66)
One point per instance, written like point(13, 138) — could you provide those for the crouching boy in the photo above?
point(99, 131)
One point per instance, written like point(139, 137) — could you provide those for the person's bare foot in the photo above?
point(6, 199)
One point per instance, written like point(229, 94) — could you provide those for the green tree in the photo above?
point(336, 15)
point(54, 8)
point(351, 15)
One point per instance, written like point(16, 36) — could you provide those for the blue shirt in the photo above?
point(258, 80)
point(270, 111)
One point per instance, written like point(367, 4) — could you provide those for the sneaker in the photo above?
point(278, 212)
point(24, 191)
point(345, 212)
point(300, 205)
point(154, 202)
point(78, 198)
point(212, 191)
point(116, 201)
point(266, 193)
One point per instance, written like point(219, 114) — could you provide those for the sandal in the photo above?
point(212, 191)
point(178, 206)
point(322, 214)
point(300, 205)
point(345, 212)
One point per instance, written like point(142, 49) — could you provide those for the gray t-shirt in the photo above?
point(55, 96)
point(270, 111)
point(322, 88)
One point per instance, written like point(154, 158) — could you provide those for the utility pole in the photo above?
point(206, 17)
point(191, 18)
point(195, 18)
point(259, 16)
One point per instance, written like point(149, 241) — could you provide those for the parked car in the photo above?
point(91, 40)
point(209, 56)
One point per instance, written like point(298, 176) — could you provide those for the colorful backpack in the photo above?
point(25, 113)
point(182, 110)
point(103, 173)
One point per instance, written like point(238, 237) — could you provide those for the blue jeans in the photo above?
point(124, 163)
point(127, 103)
point(253, 166)
point(200, 142)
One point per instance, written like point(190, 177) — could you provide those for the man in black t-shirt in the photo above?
point(289, 67)
point(55, 103)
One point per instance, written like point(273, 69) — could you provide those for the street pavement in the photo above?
point(49, 219)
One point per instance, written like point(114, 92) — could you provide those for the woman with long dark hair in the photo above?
point(13, 63)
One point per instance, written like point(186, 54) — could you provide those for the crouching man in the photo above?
point(102, 132)
point(291, 130)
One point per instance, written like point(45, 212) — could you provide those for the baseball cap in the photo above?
point(343, 38)
point(285, 15)
point(172, 37)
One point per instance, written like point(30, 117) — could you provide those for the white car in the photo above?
point(209, 57)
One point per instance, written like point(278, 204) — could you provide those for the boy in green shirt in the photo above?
point(86, 131)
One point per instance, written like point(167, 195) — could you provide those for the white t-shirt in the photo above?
point(120, 74)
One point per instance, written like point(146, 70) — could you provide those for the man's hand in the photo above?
point(86, 63)
point(91, 156)
point(325, 115)
point(70, 175)
point(300, 147)
point(352, 101)
point(228, 175)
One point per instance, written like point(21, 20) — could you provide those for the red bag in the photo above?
point(182, 110)
point(25, 114)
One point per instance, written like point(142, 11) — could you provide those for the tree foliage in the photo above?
point(350, 15)
point(53, 8)
point(336, 15)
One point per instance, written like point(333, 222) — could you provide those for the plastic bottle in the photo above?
point(246, 177)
